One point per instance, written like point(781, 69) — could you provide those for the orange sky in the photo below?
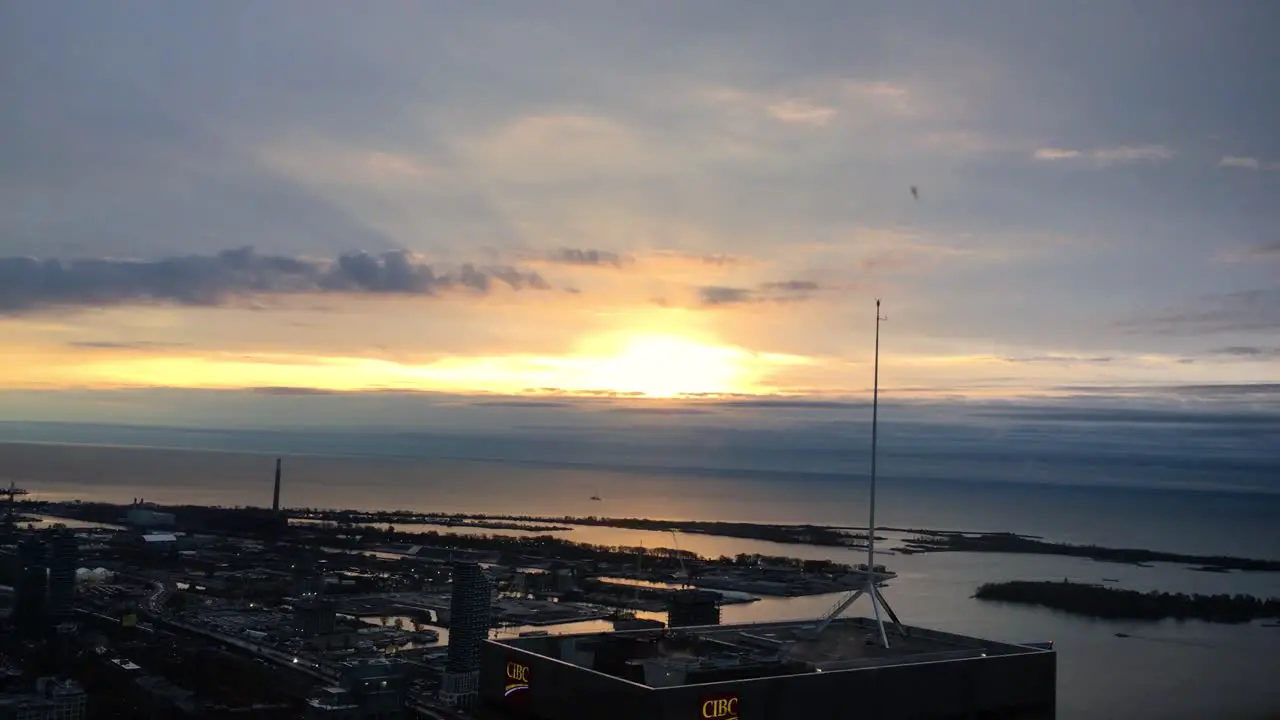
point(640, 198)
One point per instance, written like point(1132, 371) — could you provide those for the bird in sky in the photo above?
point(915, 192)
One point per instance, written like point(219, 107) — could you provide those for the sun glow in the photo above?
point(642, 364)
point(667, 366)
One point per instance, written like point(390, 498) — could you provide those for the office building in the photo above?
point(314, 616)
point(64, 556)
point(53, 699)
point(31, 588)
point(771, 671)
point(470, 616)
point(691, 608)
point(308, 579)
point(366, 690)
point(141, 516)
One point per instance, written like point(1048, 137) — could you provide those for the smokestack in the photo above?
point(275, 499)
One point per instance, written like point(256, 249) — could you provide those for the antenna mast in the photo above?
point(872, 588)
point(871, 520)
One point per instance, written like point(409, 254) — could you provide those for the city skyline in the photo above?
point(652, 200)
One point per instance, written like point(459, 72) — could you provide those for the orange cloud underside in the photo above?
point(646, 364)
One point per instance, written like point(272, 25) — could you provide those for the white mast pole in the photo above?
point(872, 591)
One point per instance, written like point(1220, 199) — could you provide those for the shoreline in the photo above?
point(921, 541)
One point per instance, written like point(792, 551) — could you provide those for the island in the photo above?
point(801, 534)
point(934, 541)
point(1110, 603)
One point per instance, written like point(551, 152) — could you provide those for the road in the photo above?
point(324, 672)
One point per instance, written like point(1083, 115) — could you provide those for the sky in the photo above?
point(651, 199)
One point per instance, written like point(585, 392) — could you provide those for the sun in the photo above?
point(664, 366)
point(648, 364)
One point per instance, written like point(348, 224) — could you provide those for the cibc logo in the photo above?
point(517, 678)
point(721, 708)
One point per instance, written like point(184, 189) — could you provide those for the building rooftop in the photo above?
point(690, 656)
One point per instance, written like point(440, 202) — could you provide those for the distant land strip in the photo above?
point(820, 535)
point(1018, 544)
point(921, 540)
point(1108, 603)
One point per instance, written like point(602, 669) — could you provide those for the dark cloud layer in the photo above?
point(1245, 311)
point(1249, 351)
point(1246, 392)
point(719, 295)
point(1059, 359)
point(28, 284)
point(285, 391)
point(779, 291)
point(587, 258)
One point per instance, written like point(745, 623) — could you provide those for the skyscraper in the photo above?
point(275, 496)
point(64, 555)
point(32, 587)
point(469, 619)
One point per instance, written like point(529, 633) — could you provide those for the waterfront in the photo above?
point(1163, 670)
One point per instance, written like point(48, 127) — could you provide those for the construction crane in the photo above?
point(639, 571)
point(684, 572)
point(11, 492)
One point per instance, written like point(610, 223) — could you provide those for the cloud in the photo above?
point(778, 291)
point(922, 115)
point(1132, 153)
point(520, 404)
point(1102, 157)
point(1249, 352)
point(136, 345)
point(1062, 413)
point(1059, 359)
point(800, 404)
point(1244, 163)
point(718, 295)
point(287, 391)
point(1245, 311)
point(1055, 154)
point(1265, 251)
point(321, 162)
point(548, 148)
point(792, 286)
point(802, 112)
point(586, 258)
point(674, 258)
point(28, 284)
point(658, 411)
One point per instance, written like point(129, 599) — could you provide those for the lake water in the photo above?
point(1164, 670)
